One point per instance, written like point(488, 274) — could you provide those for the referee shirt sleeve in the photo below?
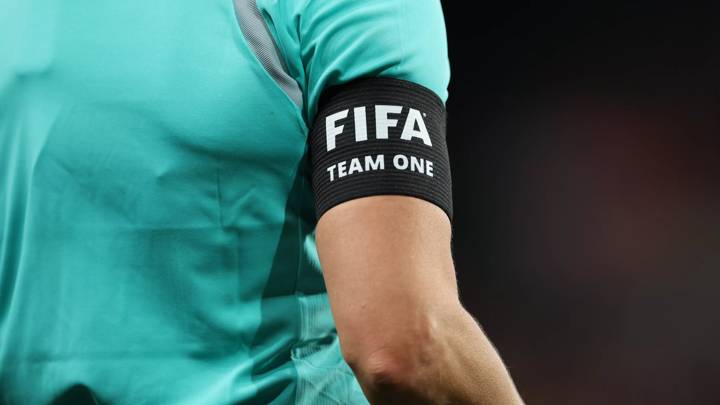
point(328, 43)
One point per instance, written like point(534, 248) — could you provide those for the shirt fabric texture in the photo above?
point(156, 215)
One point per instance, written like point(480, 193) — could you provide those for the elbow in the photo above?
point(398, 365)
point(387, 375)
point(386, 367)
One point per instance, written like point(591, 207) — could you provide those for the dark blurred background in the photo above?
point(585, 142)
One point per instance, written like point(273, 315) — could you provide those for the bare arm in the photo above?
point(392, 287)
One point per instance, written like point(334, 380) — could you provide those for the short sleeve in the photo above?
point(328, 43)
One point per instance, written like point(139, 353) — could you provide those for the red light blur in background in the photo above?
point(585, 146)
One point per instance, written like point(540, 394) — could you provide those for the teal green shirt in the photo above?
point(156, 214)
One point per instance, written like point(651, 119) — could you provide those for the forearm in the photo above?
point(472, 369)
point(460, 366)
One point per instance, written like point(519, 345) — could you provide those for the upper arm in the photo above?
point(385, 254)
point(387, 263)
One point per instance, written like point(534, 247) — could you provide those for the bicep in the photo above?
point(386, 260)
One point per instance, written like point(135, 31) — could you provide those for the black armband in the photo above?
point(380, 136)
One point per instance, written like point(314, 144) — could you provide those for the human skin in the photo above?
point(390, 277)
